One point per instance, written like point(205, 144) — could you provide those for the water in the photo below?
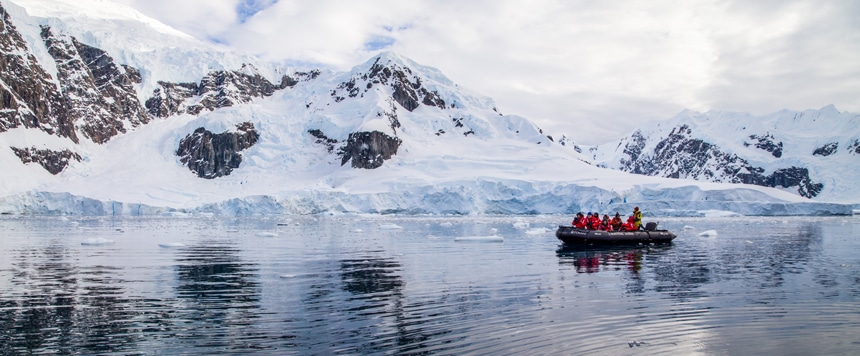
point(424, 285)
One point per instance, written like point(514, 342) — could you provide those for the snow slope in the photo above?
point(459, 155)
point(159, 51)
point(823, 141)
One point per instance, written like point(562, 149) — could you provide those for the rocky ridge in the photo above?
point(774, 151)
point(211, 155)
point(29, 98)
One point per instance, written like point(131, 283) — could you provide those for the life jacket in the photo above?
point(637, 218)
point(595, 223)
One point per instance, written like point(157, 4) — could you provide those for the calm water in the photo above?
point(405, 285)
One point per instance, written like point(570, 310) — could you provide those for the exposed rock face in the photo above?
point(369, 150)
point(102, 100)
point(211, 155)
point(826, 150)
point(28, 96)
point(407, 88)
point(322, 139)
point(218, 89)
point(53, 161)
point(767, 143)
point(681, 156)
point(170, 98)
point(854, 148)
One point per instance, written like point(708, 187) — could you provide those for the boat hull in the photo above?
point(573, 236)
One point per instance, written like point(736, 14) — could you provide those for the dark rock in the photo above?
point(323, 139)
point(53, 161)
point(633, 150)
point(28, 96)
point(681, 156)
point(102, 100)
point(170, 99)
point(407, 89)
point(767, 143)
point(211, 155)
point(854, 148)
point(369, 150)
point(826, 150)
point(218, 89)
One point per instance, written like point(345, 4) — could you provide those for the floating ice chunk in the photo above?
point(537, 231)
point(390, 226)
point(97, 241)
point(688, 227)
point(287, 276)
point(492, 238)
point(719, 213)
point(709, 233)
point(446, 224)
point(358, 230)
point(521, 225)
point(266, 234)
point(171, 244)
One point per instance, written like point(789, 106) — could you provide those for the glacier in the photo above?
point(457, 153)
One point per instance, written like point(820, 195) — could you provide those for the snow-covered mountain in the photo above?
point(812, 153)
point(105, 111)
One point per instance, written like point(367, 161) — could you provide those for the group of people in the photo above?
point(593, 221)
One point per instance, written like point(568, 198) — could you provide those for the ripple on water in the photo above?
point(363, 286)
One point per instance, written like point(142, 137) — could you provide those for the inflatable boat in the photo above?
point(573, 236)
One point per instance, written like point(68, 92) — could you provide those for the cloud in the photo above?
point(592, 69)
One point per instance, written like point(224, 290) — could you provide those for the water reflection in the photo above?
point(589, 259)
point(315, 289)
point(57, 304)
point(219, 295)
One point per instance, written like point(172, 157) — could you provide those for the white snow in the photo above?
point(800, 132)
point(708, 233)
point(506, 165)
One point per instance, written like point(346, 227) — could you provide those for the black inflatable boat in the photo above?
point(573, 236)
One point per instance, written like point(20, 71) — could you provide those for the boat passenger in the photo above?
point(637, 217)
point(630, 225)
point(585, 222)
point(617, 223)
point(606, 224)
point(579, 221)
point(595, 221)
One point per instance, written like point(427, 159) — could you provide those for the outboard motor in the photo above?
point(651, 226)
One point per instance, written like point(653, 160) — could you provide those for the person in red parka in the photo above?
point(630, 225)
point(579, 221)
point(606, 224)
point(595, 221)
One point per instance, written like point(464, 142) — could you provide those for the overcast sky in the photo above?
point(593, 69)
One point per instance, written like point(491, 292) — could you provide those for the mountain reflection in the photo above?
point(223, 293)
point(370, 276)
point(59, 307)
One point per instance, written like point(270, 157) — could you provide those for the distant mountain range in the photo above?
point(134, 118)
point(813, 153)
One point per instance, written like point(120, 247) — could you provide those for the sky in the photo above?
point(595, 70)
